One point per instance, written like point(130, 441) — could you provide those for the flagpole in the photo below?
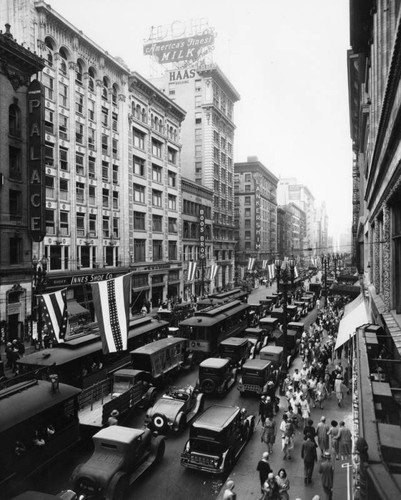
point(203, 276)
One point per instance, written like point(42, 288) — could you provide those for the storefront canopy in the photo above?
point(75, 309)
point(355, 315)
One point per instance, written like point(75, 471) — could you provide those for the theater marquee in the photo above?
point(36, 168)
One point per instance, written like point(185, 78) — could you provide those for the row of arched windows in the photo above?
point(107, 88)
point(139, 112)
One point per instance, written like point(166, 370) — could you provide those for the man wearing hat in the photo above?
point(264, 469)
point(326, 469)
point(262, 410)
point(113, 419)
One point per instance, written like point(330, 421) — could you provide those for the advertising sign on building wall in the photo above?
point(36, 164)
point(202, 248)
point(258, 226)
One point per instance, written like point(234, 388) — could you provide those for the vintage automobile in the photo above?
point(269, 325)
point(216, 376)
point(217, 438)
point(258, 338)
point(236, 349)
point(255, 377)
point(302, 307)
point(174, 410)
point(120, 456)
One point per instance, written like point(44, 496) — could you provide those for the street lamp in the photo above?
point(286, 271)
point(39, 273)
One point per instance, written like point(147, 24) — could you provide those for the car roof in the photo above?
point(253, 330)
point(258, 364)
point(216, 417)
point(295, 324)
point(271, 348)
point(127, 372)
point(234, 341)
point(214, 362)
point(119, 434)
point(268, 320)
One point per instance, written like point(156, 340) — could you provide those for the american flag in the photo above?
point(54, 308)
point(264, 264)
point(191, 270)
point(271, 270)
point(251, 263)
point(111, 299)
point(213, 271)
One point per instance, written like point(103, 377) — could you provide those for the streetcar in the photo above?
point(80, 361)
point(38, 423)
point(209, 327)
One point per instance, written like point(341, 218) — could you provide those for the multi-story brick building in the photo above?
point(17, 66)
point(255, 211)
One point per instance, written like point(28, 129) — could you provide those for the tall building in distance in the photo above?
point(19, 123)
point(208, 98)
point(255, 211)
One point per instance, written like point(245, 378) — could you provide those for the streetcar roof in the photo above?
point(208, 318)
point(22, 401)
point(83, 346)
point(158, 345)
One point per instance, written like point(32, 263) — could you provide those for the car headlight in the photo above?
point(187, 447)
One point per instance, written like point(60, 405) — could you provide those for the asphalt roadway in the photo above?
point(244, 474)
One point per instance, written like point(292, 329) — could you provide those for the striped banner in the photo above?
point(54, 308)
point(271, 271)
point(213, 271)
point(111, 299)
point(191, 270)
point(296, 274)
point(251, 263)
point(264, 264)
point(242, 272)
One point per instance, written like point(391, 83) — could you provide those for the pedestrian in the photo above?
point(305, 409)
point(262, 410)
point(270, 488)
point(269, 407)
point(309, 429)
point(269, 433)
point(113, 418)
point(308, 453)
point(326, 470)
point(323, 439)
point(338, 387)
point(333, 433)
point(296, 378)
point(264, 469)
point(344, 441)
point(9, 355)
point(320, 393)
point(228, 492)
point(144, 310)
point(287, 437)
point(283, 484)
point(14, 356)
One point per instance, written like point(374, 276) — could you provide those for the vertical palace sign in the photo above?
point(179, 41)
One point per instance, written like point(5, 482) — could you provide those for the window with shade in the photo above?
point(139, 250)
point(157, 247)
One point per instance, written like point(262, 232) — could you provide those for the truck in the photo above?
point(255, 376)
point(120, 456)
point(127, 390)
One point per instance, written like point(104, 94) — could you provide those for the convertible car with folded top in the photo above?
point(174, 410)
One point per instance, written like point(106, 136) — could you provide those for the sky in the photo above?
point(286, 58)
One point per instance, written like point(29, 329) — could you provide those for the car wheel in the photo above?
point(159, 422)
point(208, 386)
point(117, 488)
point(152, 398)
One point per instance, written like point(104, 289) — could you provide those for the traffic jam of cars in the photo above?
point(250, 360)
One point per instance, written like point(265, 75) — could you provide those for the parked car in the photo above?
point(217, 438)
point(174, 410)
point(236, 349)
point(255, 376)
point(120, 456)
point(216, 376)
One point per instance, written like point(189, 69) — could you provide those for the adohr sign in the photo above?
point(202, 254)
point(183, 49)
point(258, 226)
point(36, 168)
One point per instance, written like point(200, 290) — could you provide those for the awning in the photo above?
point(75, 309)
point(355, 315)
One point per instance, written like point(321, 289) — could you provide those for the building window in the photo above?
point(139, 166)
point(247, 223)
point(92, 167)
point(50, 225)
point(63, 126)
point(105, 117)
point(247, 212)
point(79, 103)
point(172, 156)
point(63, 94)
point(48, 84)
point(79, 164)
point(80, 192)
point(139, 250)
point(198, 167)
point(49, 180)
point(92, 195)
point(157, 223)
point(139, 139)
point(156, 173)
point(115, 200)
point(63, 159)
point(15, 251)
point(156, 148)
point(49, 154)
point(216, 137)
point(116, 227)
point(247, 235)
point(64, 188)
point(80, 221)
point(91, 138)
point(198, 118)
point(49, 121)
point(79, 133)
point(172, 225)
point(78, 73)
point(198, 101)
point(105, 171)
point(139, 193)
point(91, 110)
point(172, 179)
point(172, 202)
point(106, 226)
point(172, 250)
point(64, 223)
point(157, 250)
point(247, 200)
point(115, 174)
point(105, 198)
point(15, 207)
point(114, 118)
point(105, 144)
point(156, 198)
point(15, 171)
point(198, 151)
point(92, 225)
point(14, 120)
point(139, 221)
point(247, 177)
